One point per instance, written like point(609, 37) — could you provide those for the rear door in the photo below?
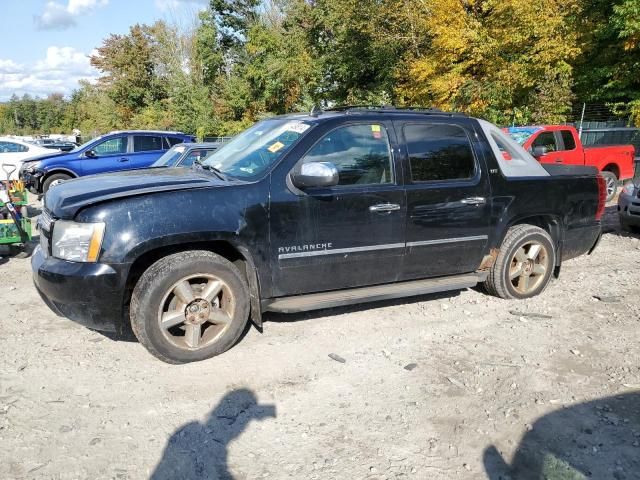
point(146, 149)
point(448, 199)
point(110, 155)
point(349, 235)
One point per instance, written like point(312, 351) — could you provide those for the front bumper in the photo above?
point(91, 294)
point(629, 208)
point(32, 181)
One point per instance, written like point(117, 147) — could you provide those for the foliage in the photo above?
point(510, 61)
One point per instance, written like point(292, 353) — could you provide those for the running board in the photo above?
point(339, 298)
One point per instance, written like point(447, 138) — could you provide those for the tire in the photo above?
point(216, 313)
point(516, 256)
point(611, 182)
point(54, 180)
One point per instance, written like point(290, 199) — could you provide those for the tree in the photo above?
point(492, 58)
point(129, 76)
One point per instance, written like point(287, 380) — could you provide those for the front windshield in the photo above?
point(257, 148)
point(521, 135)
point(170, 157)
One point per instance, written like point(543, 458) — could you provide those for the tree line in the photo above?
point(509, 61)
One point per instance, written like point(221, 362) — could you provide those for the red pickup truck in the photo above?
point(561, 144)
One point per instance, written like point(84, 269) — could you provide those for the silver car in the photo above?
point(629, 206)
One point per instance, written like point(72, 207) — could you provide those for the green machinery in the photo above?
point(15, 226)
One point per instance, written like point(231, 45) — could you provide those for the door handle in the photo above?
point(384, 207)
point(559, 160)
point(474, 201)
point(123, 159)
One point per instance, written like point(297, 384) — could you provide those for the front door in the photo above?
point(448, 200)
point(108, 156)
point(349, 235)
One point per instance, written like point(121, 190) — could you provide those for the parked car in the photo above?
point(301, 212)
point(52, 144)
point(121, 150)
point(561, 144)
point(629, 207)
point(15, 152)
point(185, 154)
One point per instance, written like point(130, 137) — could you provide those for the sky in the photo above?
point(45, 44)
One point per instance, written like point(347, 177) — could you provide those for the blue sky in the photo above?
point(45, 44)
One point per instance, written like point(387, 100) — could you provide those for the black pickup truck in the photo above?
point(310, 211)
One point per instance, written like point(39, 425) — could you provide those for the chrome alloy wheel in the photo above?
point(611, 186)
point(528, 268)
point(196, 311)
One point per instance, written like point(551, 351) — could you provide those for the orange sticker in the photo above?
point(275, 147)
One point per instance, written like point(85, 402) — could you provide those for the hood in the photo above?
point(46, 155)
point(66, 199)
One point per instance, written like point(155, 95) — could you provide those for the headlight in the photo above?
point(30, 166)
point(77, 242)
point(629, 189)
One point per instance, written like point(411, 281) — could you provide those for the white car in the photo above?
point(14, 152)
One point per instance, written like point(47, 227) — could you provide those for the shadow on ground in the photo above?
point(598, 439)
point(199, 450)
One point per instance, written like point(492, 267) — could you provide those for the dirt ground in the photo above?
point(460, 385)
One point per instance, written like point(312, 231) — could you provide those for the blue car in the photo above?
point(115, 151)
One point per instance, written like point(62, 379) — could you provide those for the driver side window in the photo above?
point(547, 140)
point(361, 153)
point(113, 146)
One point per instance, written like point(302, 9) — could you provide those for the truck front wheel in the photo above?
point(524, 264)
point(189, 306)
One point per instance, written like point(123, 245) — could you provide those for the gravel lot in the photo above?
point(437, 387)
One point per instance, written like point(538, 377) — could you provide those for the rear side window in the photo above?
point(146, 143)
point(438, 152)
point(174, 141)
point(567, 138)
point(547, 140)
point(361, 153)
point(10, 147)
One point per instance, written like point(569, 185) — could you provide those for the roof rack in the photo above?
point(392, 109)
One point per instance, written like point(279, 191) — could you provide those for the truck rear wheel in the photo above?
point(189, 306)
point(611, 182)
point(524, 264)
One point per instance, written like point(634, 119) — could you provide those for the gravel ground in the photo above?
point(451, 386)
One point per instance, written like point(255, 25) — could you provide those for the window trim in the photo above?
point(355, 186)
point(476, 167)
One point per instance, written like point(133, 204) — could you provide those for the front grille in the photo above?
point(44, 221)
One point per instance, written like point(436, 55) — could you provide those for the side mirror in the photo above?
point(540, 151)
point(315, 174)
point(90, 154)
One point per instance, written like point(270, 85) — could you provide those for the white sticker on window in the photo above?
point(297, 127)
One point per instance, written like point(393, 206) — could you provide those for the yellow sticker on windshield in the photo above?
point(275, 147)
point(375, 128)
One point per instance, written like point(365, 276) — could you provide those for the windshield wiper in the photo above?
point(221, 175)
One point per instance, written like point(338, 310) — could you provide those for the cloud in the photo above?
point(58, 16)
point(171, 5)
point(58, 72)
